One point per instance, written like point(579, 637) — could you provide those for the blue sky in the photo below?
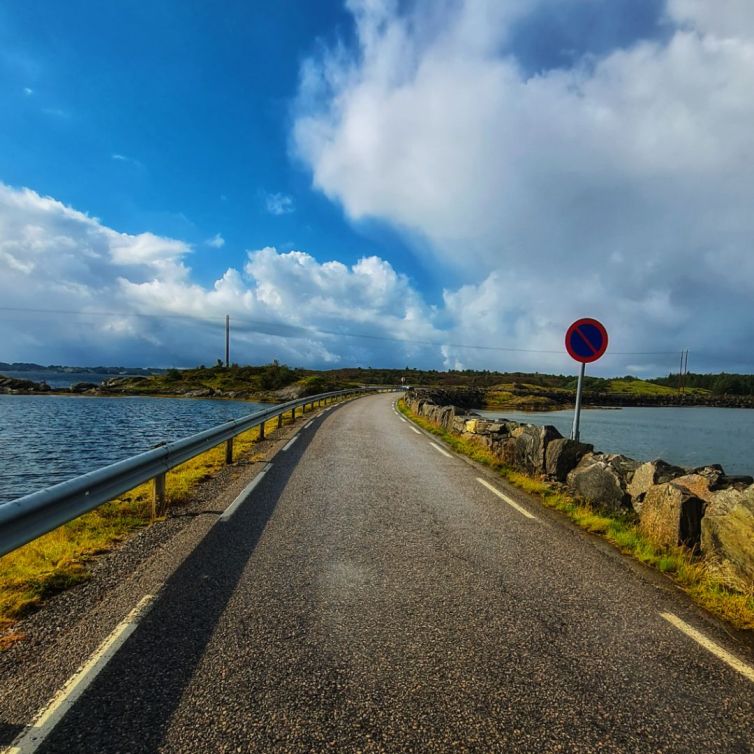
point(466, 146)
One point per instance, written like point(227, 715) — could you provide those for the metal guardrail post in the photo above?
point(280, 420)
point(158, 496)
point(229, 451)
point(261, 431)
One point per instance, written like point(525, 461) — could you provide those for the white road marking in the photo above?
point(403, 420)
point(440, 450)
point(233, 507)
point(306, 426)
point(416, 430)
point(505, 498)
point(290, 442)
point(739, 665)
point(33, 736)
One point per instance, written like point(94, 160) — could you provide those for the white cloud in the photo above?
point(28, 91)
point(216, 242)
point(279, 204)
point(619, 188)
point(287, 306)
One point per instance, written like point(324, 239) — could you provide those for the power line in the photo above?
point(298, 331)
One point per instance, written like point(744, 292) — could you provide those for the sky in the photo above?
point(442, 184)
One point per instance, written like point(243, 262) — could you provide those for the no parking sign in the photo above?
point(585, 341)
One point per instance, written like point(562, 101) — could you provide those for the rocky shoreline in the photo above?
point(124, 386)
point(703, 509)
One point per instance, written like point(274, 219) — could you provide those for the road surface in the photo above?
point(373, 595)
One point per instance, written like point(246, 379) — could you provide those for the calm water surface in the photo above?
point(683, 436)
point(48, 439)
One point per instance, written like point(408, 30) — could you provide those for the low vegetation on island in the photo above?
point(512, 390)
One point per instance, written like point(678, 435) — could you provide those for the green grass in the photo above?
point(701, 579)
point(63, 558)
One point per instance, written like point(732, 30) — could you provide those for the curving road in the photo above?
point(372, 595)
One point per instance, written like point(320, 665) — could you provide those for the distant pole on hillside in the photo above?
point(227, 340)
point(680, 375)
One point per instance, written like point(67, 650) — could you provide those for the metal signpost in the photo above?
point(585, 341)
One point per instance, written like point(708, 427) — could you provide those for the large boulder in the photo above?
point(624, 466)
point(597, 481)
point(672, 515)
point(727, 532)
point(531, 445)
point(563, 455)
point(648, 475)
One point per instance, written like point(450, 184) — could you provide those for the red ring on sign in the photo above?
point(575, 328)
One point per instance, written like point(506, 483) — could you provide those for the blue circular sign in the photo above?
point(586, 340)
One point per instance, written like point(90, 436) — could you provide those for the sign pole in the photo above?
point(577, 412)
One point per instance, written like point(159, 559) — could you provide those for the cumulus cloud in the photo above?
point(279, 204)
point(620, 187)
point(73, 289)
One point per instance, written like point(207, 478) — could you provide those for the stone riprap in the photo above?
point(702, 509)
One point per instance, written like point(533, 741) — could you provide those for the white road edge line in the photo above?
point(505, 498)
point(33, 736)
point(306, 426)
point(403, 420)
point(290, 442)
point(738, 665)
point(416, 430)
point(440, 450)
point(233, 507)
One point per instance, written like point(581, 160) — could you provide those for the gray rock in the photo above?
point(671, 515)
point(83, 387)
point(648, 475)
point(562, 456)
point(727, 532)
point(531, 445)
point(596, 481)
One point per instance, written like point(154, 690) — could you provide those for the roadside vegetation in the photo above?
point(64, 557)
point(699, 578)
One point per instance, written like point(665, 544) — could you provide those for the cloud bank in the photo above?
point(620, 187)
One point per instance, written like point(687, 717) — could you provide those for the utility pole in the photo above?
point(227, 340)
point(680, 375)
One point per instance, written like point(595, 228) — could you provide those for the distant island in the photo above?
point(497, 390)
point(57, 369)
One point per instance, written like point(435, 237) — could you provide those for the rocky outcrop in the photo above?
point(727, 531)
point(12, 386)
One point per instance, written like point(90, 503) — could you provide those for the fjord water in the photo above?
point(48, 439)
point(692, 436)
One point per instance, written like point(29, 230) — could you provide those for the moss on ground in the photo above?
point(701, 579)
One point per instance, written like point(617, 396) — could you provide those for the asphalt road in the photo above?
point(371, 595)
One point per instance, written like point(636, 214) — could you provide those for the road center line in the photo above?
point(233, 507)
point(416, 430)
point(290, 442)
point(440, 450)
point(505, 498)
point(33, 736)
point(738, 665)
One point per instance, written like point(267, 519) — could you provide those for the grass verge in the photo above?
point(61, 559)
point(701, 579)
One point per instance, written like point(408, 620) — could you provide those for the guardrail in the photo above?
point(31, 516)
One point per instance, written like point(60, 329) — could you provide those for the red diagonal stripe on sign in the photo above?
point(586, 340)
